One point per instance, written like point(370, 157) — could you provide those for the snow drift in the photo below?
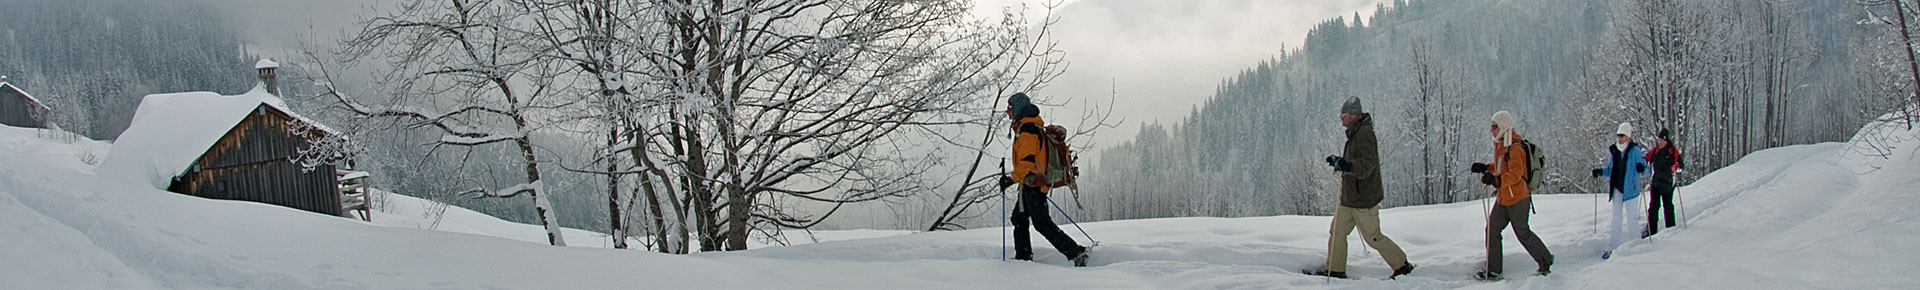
point(1798, 217)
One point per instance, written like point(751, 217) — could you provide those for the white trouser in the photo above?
point(1627, 231)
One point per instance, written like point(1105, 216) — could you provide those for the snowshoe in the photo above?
point(1483, 275)
point(1606, 255)
point(1542, 272)
point(1403, 270)
point(1081, 259)
point(1324, 272)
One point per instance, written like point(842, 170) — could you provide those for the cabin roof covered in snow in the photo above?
point(170, 131)
point(265, 63)
point(16, 89)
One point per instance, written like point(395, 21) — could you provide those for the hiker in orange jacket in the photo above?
point(1507, 174)
point(1029, 156)
point(1029, 163)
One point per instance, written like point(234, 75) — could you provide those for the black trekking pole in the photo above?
point(1680, 204)
point(1076, 225)
point(1486, 212)
point(1486, 216)
point(1003, 211)
point(1648, 204)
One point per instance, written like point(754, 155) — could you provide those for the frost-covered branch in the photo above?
point(473, 70)
point(511, 191)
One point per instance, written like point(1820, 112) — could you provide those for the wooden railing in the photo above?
point(354, 194)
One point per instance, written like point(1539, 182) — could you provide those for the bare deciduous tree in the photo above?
point(754, 108)
point(473, 70)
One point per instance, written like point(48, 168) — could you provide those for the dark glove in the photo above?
point(1596, 173)
point(1339, 164)
point(1487, 178)
point(1478, 168)
point(1642, 167)
point(1005, 181)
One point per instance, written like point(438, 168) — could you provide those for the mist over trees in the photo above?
point(1728, 77)
point(697, 126)
point(92, 60)
point(710, 123)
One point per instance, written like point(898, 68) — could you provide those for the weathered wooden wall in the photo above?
point(252, 163)
point(19, 111)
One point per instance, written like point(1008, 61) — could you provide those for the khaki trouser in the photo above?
point(1368, 220)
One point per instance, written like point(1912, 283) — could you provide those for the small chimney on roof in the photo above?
point(267, 68)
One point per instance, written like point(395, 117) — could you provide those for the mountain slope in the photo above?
point(1799, 217)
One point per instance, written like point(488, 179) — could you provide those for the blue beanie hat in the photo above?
point(1018, 101)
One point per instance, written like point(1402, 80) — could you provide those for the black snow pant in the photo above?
point(1032, 210)
point(1661, 195)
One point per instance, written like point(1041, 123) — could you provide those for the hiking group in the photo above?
point(1041, 163)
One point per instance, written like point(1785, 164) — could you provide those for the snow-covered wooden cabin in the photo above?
point(19, 109)
point(238, 147)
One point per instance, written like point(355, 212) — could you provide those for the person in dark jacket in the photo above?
point(1666, 161)
point(1029, 163)
point(1360, 195)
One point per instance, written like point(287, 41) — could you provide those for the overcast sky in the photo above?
point(277, 26)
point(1160, 57)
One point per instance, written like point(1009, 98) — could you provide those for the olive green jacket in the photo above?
point(1360, 186)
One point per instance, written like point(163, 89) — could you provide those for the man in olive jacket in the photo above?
point(1360, 195)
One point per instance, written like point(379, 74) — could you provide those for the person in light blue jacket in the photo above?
point(1626, 163)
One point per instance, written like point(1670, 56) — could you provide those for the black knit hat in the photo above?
point(1664, 133)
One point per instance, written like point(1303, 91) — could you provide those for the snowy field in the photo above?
point(395, 210)
point(1798, 217)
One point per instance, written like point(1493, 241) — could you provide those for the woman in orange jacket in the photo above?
point(1507, 174)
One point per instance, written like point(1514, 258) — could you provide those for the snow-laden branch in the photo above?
point(456, 132)
point(511, 191)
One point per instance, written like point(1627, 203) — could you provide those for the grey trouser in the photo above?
point(1515, 215)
